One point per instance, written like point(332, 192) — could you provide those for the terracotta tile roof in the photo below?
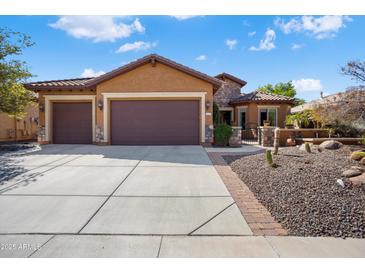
point(223, 75)
point(59, 84)
point(257, 96)
point(92, 82)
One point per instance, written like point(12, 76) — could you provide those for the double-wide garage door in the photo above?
point(154, 122)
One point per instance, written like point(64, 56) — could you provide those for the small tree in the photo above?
point(14, 98)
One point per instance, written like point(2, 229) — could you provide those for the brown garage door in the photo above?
point(155, 122)
point(72, 123)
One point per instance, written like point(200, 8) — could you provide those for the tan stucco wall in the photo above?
point(252, 113)
point(160, 78)
point(26, 127)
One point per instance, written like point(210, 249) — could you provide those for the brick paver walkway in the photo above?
point(257, 216)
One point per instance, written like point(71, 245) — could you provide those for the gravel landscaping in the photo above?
point(302, 193)
point(7, 153)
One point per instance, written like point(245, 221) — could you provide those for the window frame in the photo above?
point(268, 108)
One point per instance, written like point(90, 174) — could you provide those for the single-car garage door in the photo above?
point(72, 123)
point(155, 122)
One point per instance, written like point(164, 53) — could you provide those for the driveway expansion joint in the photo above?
point(210, 219)
point(109, 196)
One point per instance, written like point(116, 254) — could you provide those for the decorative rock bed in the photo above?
point(302, 193)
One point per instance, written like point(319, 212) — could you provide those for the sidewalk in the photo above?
point(178, 246)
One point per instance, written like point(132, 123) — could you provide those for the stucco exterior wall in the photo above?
point(26, 127)
point(252, 112)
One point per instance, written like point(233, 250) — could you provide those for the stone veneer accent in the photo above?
point(99, 134)
point(256, 215)
point(229, 90)
point(236, 138)
point(209, 134)
point(41, 134)
point(266, 136)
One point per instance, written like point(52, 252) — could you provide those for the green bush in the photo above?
point(363, 139)
point(222, 133)
point(345, 130)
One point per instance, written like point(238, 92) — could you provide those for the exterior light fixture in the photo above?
point(100, 104)
point(41, 107)
point(207, 104)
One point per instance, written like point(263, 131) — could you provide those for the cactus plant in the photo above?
point(307, 147)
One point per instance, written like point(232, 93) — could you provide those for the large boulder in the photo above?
point(330, 144)
point(351, 173)
point(358, 180)
point(357, 155)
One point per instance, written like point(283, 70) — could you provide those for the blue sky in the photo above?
point(259, 49)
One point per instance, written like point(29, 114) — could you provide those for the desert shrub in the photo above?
point(307, 147)
point(222, 133)
point(345, 130)
point(304, 119)
point(357, 155)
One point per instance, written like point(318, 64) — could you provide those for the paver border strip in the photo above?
point(258, 218)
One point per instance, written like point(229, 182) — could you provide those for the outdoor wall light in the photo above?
point(41, 107)
point(100, 104)
point(207, 104)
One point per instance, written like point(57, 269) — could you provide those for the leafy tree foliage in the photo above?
point(14, 98)
point(286, 89)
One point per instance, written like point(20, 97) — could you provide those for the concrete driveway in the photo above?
point(92, 201)
point(147, 190)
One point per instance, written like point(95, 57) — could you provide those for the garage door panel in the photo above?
point(72, 123)
point(155, 122)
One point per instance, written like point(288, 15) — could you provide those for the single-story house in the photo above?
point(151, 101)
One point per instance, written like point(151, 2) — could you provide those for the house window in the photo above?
point(268, 114)
point(226, 117)
point(242, 118)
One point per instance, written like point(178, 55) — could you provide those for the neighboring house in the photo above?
point(151, 101)
point(26, 126)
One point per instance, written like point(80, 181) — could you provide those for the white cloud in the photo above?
point(136, 46)
point(183, 17)
point(267, 43)
point(201, 58)
point(252, 33)
point(321, 27)
point(231, 43)
point(89, 72)
point(296, 46)
point(306, 85)
point(97, 28)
